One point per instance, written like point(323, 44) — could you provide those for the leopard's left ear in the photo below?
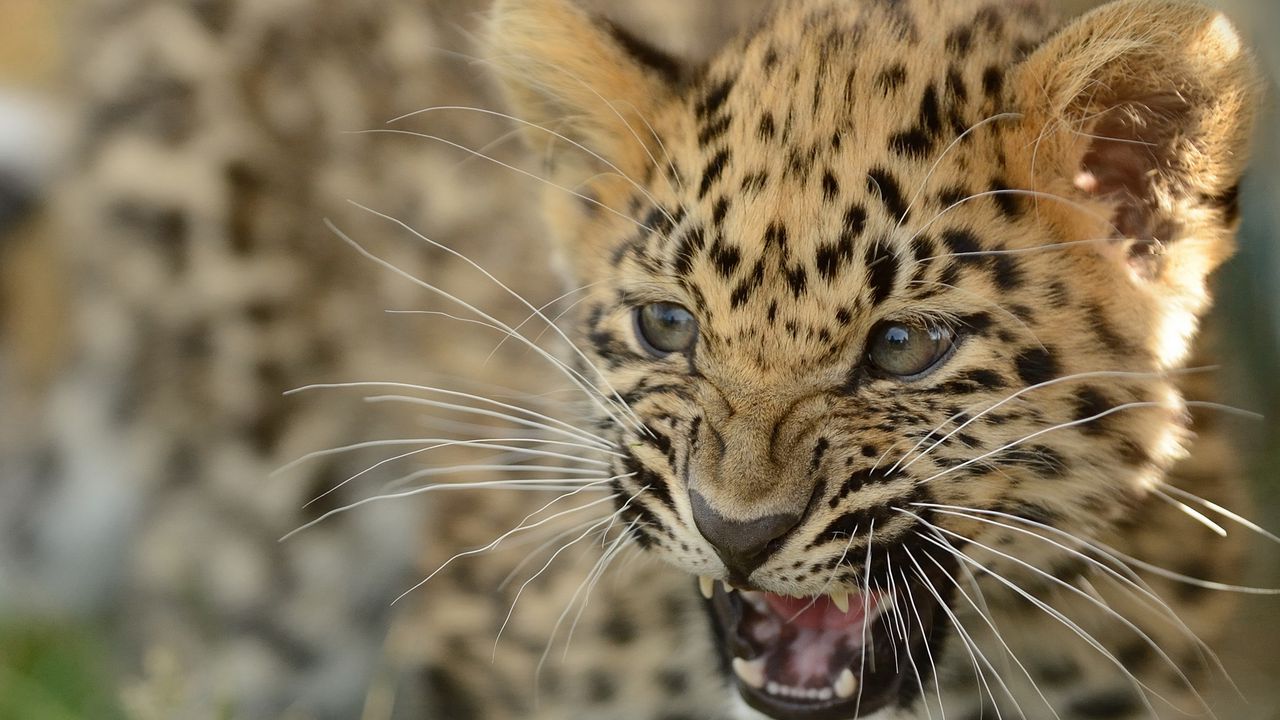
point(583, 77)
point(1141, 110)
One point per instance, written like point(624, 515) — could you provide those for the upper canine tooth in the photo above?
point(727, 587)
point(750, 671)
point(846, 684)
point(707, 586)
point(840, 598)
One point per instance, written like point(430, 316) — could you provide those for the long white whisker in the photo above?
point(971, 645)
point(427, 136)
point(1237, 518)
point(445, 442)
point(1023, 391)
point(942, 156)
point(640, 188)
point(1030, 193)
point(1009, 653)
point(519, 298)
point(555, 362)
point(915, 610)
point(547, 423)
point(1119, 556)
point(1191, 512)
point(1058, 615)
point(1043, 431)
point(499, 539)
point(1121, 574)
point(547, 564)
point(532, 484)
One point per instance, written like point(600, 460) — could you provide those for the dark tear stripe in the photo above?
point(662, 443)
point(643, 476)
point(857, 480)
point(882, 182)
point(882, 272)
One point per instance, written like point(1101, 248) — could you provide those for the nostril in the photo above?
point(743, 545)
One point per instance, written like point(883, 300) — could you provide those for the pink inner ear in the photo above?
point(1131, 159)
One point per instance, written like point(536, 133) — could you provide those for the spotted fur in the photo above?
point(840, 164)
point(1055, 197)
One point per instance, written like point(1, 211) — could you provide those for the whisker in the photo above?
point(573, 376)
point(1048, 610)
point(621, 404)
point(444, 443)
point(547, 564)
point(640, 188)
point(1240, 519)
point(547, 423)
point(426, 136)
point(970, 645)
point(1029, 193)
point(536, 484)
point(1030, 388)
point(1191, 512)
point(1009, 653)
point(954, 144)
point(1058, 615)
point(499, 539)
point(1121, 574)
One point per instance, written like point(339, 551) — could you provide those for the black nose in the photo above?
point(743, 545)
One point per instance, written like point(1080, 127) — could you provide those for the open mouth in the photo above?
point(830, 657)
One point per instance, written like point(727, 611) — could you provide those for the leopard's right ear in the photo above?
point(583, 78)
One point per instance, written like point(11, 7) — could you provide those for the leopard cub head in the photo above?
point(878, 290)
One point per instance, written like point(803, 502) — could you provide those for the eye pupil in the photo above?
point(905, 350)
point(664, 328)
point(897, 336)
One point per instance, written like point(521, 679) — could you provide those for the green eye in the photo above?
point(664, 328)
point(907, 350)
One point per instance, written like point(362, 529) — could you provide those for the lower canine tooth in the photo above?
point(840, 599)
point(707, 586)
point(846, 684)
point(750, 671)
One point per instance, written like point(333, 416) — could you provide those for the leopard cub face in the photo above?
point(878, 291)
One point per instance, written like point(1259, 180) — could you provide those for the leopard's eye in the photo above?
point(664, 328)
point(907, 350)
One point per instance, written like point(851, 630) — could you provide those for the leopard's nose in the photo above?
point(743, 545)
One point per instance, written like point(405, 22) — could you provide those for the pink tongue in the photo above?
point(819, 614)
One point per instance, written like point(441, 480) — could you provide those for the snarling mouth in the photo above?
point(830, 657)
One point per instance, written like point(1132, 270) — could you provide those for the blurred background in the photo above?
point(165, 275)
